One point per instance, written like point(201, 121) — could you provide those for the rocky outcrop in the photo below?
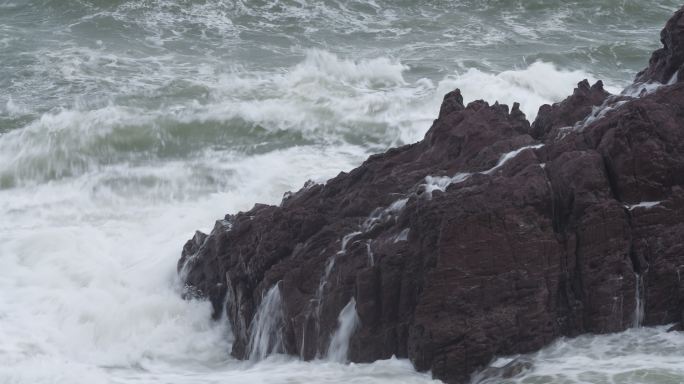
point(574, 110)
point(666, 62)
point(489, 237)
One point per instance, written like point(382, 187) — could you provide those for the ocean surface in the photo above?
point(126, 125)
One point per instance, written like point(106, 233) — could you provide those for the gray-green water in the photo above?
point(125, 125)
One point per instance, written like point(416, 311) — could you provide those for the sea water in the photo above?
point(126, 125)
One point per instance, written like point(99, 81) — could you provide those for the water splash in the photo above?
point(267, 325)
point(347, 323)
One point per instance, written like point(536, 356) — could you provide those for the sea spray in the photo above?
point(267, 325)
point(347, 323)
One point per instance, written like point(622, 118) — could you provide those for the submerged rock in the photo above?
point(489, 237)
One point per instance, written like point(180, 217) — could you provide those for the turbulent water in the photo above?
point(125, 125)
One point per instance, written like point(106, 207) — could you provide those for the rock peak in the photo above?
point(569, 111)
point(453, 102)
point(665, 63)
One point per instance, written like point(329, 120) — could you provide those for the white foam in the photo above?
point(78, 278)
point(280, 369)
point(325, 98)
point(82, 256)
point(636, 355)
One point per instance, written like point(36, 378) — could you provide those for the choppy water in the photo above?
point(125, 125)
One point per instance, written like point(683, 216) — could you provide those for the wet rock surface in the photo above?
point(492, 236)
point(665, 63)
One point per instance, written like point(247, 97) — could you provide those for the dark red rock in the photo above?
point(666, 62)
point(564, 238)
point(570, 111)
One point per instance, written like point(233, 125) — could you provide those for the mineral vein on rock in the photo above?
point(489, 237)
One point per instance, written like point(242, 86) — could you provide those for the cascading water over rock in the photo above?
point(347, 323)
point(267, 327)
point(639, 305)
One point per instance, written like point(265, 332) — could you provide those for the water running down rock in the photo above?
point(266, 329)
point(348, 321)
point(544, 244)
